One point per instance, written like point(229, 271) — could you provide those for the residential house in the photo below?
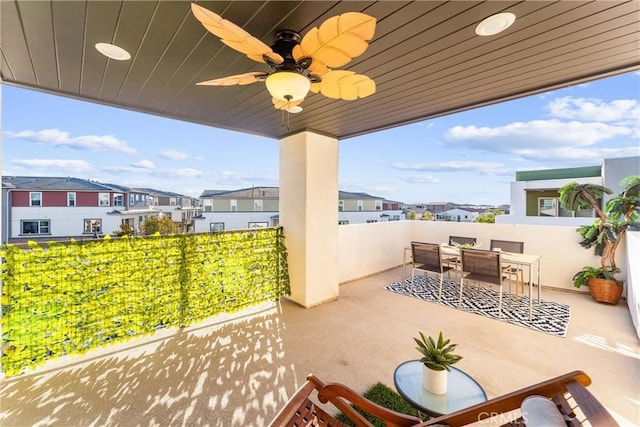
point(433, 208)
point(392, 210)
point(59, 208)
point(180, 208)
point(137, 208)
point(535, 196)
point(259, 207)
point(237, 209)
point(436, 207)
point(457, 215)
point(359, 208)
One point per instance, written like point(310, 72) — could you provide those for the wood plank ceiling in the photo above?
point(425, 57)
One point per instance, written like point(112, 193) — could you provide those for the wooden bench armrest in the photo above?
point(512, 401)
point(592, 409)
point(341, 396)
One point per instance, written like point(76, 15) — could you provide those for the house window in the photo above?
point(93, 225)
point(132, 200)
point(378, 205)
point(41, 226)
point(172, 201)
point(359, 204)
point(257, 205)
point(35, 199)
point(103, 199)
point(547, 206)
point(258, 224)
point(71, 199)
point(369, 221)
point(118, 199)
point(216, 226)
point(343, 222)
point(584, 213)
point(233, 205)
point(340, 205)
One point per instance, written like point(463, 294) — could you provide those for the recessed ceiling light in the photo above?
point(495, 24)
point(112, 51)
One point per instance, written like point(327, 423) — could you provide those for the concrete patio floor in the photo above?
point(239, 371)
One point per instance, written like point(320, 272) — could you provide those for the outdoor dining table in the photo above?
point(531, 261)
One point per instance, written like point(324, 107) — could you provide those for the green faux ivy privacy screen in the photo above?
point(63, 299)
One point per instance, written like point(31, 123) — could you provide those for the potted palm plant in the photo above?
point(621, 213)
point(436, 359)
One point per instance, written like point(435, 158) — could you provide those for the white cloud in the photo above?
point(174, 155)
point(184, 173)
point(484, 168)
point(73, 166)
point(166, 173)
point(423, 178)
point(537, 134)
point(228, 178)
point(579, 154)
point(144, 164)
point(57, 137)
point(551, 140)
point(591, 109)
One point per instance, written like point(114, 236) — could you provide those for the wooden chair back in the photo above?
point(507, 246)
point(481, 265)
point(426, 254)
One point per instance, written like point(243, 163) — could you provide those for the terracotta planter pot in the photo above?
point(605, 290)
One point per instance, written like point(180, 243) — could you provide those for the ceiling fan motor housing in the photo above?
point(286, 40)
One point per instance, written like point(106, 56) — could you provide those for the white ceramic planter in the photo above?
point(434, 381)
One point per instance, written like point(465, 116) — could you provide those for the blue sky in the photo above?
point(468, 157)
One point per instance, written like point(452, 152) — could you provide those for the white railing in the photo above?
point(367, 249)
point(632, 286)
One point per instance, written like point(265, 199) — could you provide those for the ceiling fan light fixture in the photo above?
point(112, 51)
point(495, 24)
point(288, 85)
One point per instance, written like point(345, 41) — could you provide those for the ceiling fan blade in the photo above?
point(285, 105)
point(238, 79)
point(342, 84)
point(338, 40)
point(234, 36)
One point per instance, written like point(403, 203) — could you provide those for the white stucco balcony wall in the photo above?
point(366, 249)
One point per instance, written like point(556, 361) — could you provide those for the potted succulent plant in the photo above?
point(436, 359)
point(621, 213)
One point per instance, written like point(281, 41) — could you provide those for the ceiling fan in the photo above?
point(299, 64)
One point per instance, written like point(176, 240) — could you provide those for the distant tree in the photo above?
point(125, 230)
point(411, 215)
point(155, 224)
point(427, 216)
point(489, 217)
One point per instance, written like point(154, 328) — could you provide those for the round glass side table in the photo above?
point(462, 390)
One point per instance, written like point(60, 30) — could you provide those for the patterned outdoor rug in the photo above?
point(549, 317)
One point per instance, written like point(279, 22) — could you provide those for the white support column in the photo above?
point(309, 215)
